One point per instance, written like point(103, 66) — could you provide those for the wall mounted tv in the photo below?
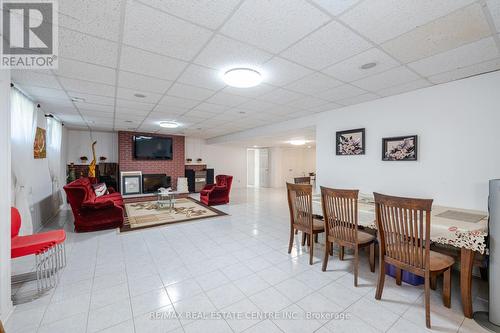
point(152, 148)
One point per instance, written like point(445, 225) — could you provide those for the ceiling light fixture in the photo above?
point(139, 95)
point(369, 65)
point(77, 99)
point(242, 77)
point(169, 124)
point(297, 142)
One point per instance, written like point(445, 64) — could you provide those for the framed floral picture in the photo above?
point(401, 148)
point(351, 142)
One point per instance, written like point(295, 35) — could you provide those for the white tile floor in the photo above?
point(236, 264)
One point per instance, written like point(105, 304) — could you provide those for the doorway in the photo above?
point(258, 167)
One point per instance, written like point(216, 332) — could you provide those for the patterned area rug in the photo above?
point(149, 214)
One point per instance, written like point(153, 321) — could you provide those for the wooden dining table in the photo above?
point(463, 229)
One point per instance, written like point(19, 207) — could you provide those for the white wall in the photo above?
point(288, 163)
point(79, 143)
point(224, 159)
point(5, 196)
point(458, 128)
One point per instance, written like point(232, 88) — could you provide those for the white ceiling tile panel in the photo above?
point(88, 87)
point(358, 99)
point(79, 70)
point(402, 88)
point(202, 77)
point(143, 62)
point(313, 83)
point(308, 102)
point(178, 102)
point(223, 53)
point(281, 96)
point(94, 99)
point(460, 73)
point(223, 98)
point(256, 91)
point(273, 25)
point(325, 107)
point(140, 82)
point(279, 71)
point(257, 105)
point(283, 110)
point(342, 92)
point(336, 7)
point(185, 91)
point(132, 105)
point(327, 46)
point(494, 8)
point(31, 78)
point(159, 32)
point(211, 108)
point(94, 17)
point(381, 20)
point(463, 56)
point(128, 94)
point(78, 46)
point(208, 13)
point(386, 79)
point(461, 27)
point(40, 93)
point(199, 114)
point(350, 69)
point(95, 107)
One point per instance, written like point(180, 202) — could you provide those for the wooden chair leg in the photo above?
point(372, 257)
point(381, 278)
point(311, 248)
point(341, 253)
point(315, 238)
point(296, 231)
point(427, 294)
point(433, 281)
point(398, 276)
point(290, 243)
point(356, 266)
point(303, 238)
point(326, 255)
point(331, 248)
point(308, 239)
point(447, 288)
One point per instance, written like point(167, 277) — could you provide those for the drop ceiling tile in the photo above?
point(402, 88)
point(202, 77)
point(329, 45)
point(78, 46)
point(494, 8)
point(83, 106)
point(31, 78)
point(90, 113)
point(462, 56)
point(398, 16)
point(460, 73)
point(122, 104)
point(178, 102)
point(185, 91)
point(229, 115)
point(79, 70)
point(341, 92)
point(160, 113)
point(283, 110)
point(199, 114)
point(308, 102)
point(205, 12)
point(98, 18)
point(153, 30)
point(350, 69)
point(461, 27)
point(281, 96)
point(358, 99)
point(273, 25)
point(227, 99)
point(256, 105)
point(94, 99)
point(386, 79)
point(279, 71)
point(336, 7)
point(325, 107)
point(128, 94)
point(40, 93)
point(223, 53)
point(146, 63)
point(313, 83)
point(211, 108)
point(140, 82)
point(256, 91)
point(88, 87)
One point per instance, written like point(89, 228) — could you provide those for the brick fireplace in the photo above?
point(173, 168)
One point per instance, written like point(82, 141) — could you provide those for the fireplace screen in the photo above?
point(151, 183)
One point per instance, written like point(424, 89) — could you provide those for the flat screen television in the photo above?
point(152, 148)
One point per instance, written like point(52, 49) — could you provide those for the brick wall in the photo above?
point(173, 168)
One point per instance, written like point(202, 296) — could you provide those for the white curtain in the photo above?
point(54, 136)
point(23, 126)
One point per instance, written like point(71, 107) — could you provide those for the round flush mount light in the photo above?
point(242, 77)
point(297, 142)
point(169, 124)
point(369, 65)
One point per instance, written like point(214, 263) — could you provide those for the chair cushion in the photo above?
point(363, 237)
point(318, 224)
point(31, 244)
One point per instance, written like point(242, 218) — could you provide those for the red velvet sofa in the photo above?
point(94, 213)
point(218, 193)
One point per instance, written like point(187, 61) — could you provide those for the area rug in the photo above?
point(147, 214)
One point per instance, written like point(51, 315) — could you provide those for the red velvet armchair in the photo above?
point(218, 193)
point(93, 213)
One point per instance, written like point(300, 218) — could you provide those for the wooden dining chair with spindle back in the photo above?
point(340, 212)
point(404, 226)
point(302, 180)
point(301, 216)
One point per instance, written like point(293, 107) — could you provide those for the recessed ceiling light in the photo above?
point(241, 112)
point(169, 124)
point(128, 121)
point(369, 65)
point(139, 95)
point(242, 77)
point(77, 99)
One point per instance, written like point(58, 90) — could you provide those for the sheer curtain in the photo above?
point(23, 126)
point(54, 135)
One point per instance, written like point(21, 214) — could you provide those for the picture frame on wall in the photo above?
point(350, 142)
point(131, 184)
point(400, 148)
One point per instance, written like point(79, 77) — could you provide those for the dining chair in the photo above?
point(404, 226)
point(340, 212)
point(302, 180)
point(301, 216)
